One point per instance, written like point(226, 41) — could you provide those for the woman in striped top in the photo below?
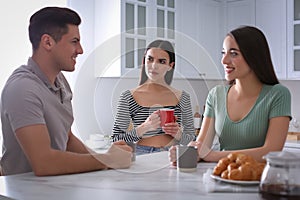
point(137, 119)
point(250, 115)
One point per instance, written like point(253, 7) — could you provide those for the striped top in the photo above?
point(251, 131)
point(129, 110)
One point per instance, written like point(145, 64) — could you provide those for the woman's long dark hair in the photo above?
point(255, 50)
point(166, 46)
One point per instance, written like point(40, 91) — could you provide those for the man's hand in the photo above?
point(118, 156)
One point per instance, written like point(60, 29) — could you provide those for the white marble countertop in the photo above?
point(292, 144)
point(149, 177)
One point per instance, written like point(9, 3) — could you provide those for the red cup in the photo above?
point(166, 116)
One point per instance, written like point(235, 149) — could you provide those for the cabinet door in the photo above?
point(211, 35)
point(186, 45)
point(240, 12)
point(293, 39)
point(198, 39)
point(271, 19)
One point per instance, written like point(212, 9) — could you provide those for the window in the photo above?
point(144, 21)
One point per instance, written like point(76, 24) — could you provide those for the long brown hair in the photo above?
point(166, 46)
point(255, 50)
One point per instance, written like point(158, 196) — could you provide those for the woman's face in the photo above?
point(234, 63)
point(157, 64)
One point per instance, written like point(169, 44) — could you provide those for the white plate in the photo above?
point(234, 181)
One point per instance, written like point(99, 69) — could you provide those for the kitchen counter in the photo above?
point(149, 177)
point(292, 145)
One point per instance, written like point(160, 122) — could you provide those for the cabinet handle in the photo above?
point(201, 74)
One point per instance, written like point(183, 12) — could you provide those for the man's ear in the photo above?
point(47, 41)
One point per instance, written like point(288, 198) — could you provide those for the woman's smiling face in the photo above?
point(233, 61)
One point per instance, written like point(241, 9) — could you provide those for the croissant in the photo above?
point(235, 174)
point(221, 166)
point(237, 166)
point(232, 156)
point(224, 174)
point(246, 171)
point(232, 166)
point(242, 159)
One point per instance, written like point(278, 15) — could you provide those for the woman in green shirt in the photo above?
point(251, 114)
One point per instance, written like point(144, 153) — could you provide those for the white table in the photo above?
point(150, 177)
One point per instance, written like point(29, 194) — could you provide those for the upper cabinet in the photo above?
point(271, 19)
point(198, 41)
point(280, 22)
point(123, 28)
point(241, 12)
point(293, 39)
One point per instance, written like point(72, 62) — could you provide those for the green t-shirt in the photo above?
point(249, 132)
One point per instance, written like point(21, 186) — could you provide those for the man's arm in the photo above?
point(76, 146)
point(35, 142)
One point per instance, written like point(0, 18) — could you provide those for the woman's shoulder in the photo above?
point(276, 92)
point(220, 88)
point(278, 88)
point(126, 94)
point(179, 93)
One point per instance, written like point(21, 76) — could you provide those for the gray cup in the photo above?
point(187, 158)
point(133, 146)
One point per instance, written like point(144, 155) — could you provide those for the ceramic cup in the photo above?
point(187, 158)
point(133, 146)
point(166, 116)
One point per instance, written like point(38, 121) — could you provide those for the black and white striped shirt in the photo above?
point(128, 110)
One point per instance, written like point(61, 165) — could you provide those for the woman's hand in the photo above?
point(173, 129)
point(172, 155)
point(152, 123)
point(198, 146)
point(203, 150)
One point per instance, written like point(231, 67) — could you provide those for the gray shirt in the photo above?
point(28, 98)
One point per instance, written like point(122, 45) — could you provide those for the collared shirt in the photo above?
point(28, 98)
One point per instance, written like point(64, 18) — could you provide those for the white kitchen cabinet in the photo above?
point(121, 38)
point(121, 29)
point(199, 29)
point(198, 42)
point(271, 19)
point(280, 22)
point(131, 25)
point(211, 35)
point(239, 12)
point(293, 39)
point(186, 40)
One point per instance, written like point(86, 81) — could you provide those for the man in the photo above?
point(36, 110)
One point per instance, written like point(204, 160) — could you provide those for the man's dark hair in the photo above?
point(52, 21)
